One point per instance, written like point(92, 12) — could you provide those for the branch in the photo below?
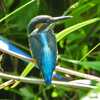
point(60, 69)
point(7, 83)
point(40, 81)
point(75, 73)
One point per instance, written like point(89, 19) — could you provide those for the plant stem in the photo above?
point(18, 9)
point(90, 52)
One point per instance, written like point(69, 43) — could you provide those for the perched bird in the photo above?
point(43, 44)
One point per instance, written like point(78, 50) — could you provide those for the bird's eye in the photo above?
point(48, 21)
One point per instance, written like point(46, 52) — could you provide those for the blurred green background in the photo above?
point(73, 46)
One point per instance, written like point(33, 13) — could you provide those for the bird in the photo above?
point(43, 45)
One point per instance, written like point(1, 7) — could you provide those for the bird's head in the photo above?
point(42, 21)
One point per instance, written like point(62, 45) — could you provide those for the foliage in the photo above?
point(76, 39)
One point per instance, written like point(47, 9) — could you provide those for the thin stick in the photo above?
point(40, 81)
point(7, 83)
point(75, 73)
point(58, 68)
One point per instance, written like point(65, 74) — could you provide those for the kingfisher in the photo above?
point(42, 42)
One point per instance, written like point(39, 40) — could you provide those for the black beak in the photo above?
point(55, 19)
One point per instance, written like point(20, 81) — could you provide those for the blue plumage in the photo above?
point(8, 47)
point(43, 45)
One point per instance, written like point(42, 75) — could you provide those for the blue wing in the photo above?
point(44, 50)
point(8, 47)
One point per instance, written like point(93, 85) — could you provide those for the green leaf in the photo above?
point(17, 10)
point(91, 64)
point(8, 3)
point(22, 18)
point(25, 72)
point(75, 27)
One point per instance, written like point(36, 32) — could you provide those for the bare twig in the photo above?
point(40, 81)
point(75, 73)
point(58, 68)
point(7, 83)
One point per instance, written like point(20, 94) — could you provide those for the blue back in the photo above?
point(44, 50)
